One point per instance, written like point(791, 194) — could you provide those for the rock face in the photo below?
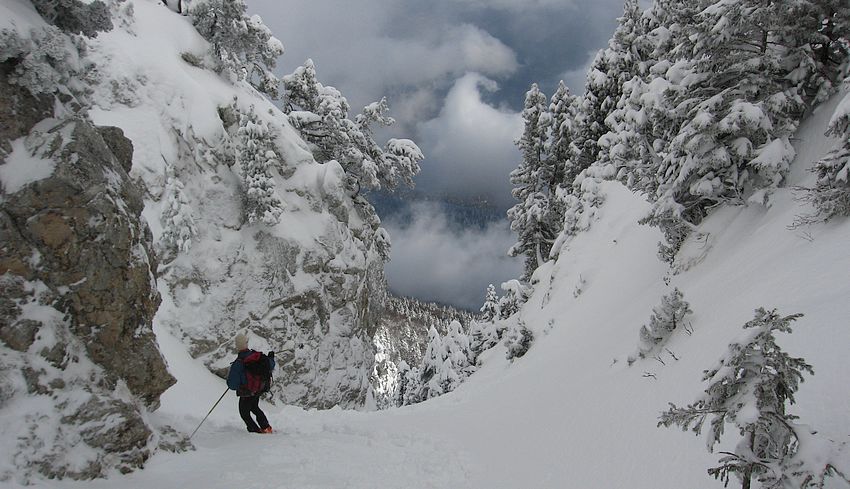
point(77, 298)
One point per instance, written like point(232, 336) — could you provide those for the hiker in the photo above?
point(250, 376)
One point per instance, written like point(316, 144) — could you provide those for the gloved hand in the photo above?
point(271, 354)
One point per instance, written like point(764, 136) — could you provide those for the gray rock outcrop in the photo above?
point(77, 299)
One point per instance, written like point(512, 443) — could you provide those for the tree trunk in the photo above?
point(748, 472)
point(745, 484)
point(827, 45)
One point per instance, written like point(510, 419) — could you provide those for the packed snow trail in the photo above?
point(572, 413)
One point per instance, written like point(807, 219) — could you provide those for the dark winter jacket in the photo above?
point(236, 378)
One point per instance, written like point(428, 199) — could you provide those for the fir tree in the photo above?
point(490, 309)
point(483, 336)
point(749, 389)
point(408, 385)
point(486, 334)
point(580, 206)
point(590, 117)
point(44, 62)
point(403, 383)
point(665, 319)
point(531, 218)
point(561, 149)
point(515, 295)
point(242, 46)
point(76, 17)
point(831, 194)
point(433, 374)
point(178, 222)
point(518, 339)
point(610, 69)
point(257, 157)
point(736, 81)
point(321, 114)
point(302, 89)
point(459, 351)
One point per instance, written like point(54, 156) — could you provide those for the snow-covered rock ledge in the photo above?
point(79, 365)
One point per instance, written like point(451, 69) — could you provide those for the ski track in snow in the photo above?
point(331, 449)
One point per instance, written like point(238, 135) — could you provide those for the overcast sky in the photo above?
point(455, 73)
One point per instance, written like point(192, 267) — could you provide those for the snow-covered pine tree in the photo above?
point(735, 145)
point(76, 17)
point(459, 351)
point(321, 114)
point(531, 218)
point(257, 157)
point(590, 117)
point(414, 388)
point(242, 46)
point(483, 336)
point(831, 194)
point(561, 150)
point(610, 69)
point(490, 309)
point(302, 89)
point(515, 295)
point(736, 81)
point(749, 388)
point(665, 319)
point(44, 62)
point(817, 50)
point(633, 139)
point(178, 222)
point(402, 384)
point(518, 339)
point(432, 375)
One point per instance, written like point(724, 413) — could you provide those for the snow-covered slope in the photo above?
point(571, 412)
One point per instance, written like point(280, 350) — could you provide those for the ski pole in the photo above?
point(208, 414)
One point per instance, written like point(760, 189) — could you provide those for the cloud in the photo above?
point(436, 261)
point(436, 61)
point(370, 48)
point(575, 78)
point(471, 145)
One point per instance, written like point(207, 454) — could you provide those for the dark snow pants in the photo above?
point(249, 405)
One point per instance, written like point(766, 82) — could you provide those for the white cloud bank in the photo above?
point(372, 48)
point(471, 144)
point(433, 260)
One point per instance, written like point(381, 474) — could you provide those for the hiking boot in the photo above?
point(267, 429)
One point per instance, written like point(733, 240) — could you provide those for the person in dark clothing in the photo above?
point(249, 403)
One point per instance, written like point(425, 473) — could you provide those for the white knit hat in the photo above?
point(241, 341)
